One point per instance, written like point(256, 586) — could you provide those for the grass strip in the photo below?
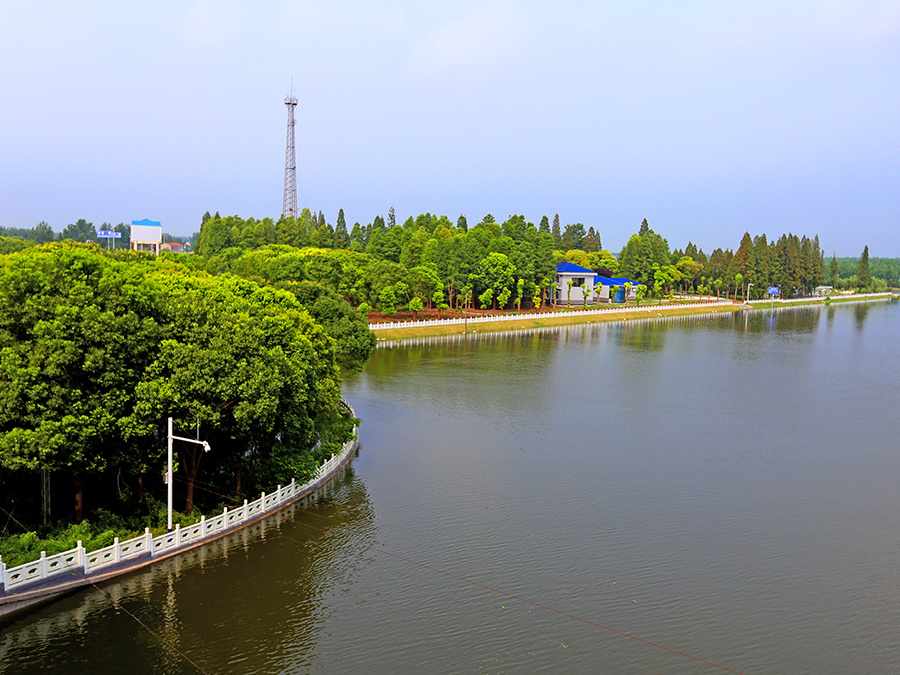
point(560, 319)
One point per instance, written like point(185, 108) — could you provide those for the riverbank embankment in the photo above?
point(483, 324)
point(26, 586)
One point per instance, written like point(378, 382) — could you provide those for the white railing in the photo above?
point(544, 315)
point(821, 298)
point(16, 578)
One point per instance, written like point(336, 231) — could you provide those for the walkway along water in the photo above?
point(667, 307)
point(568, 312)
point(49, 577)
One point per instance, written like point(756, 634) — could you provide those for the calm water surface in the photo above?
point(695, 495)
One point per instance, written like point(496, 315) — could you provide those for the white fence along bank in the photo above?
point(25, 577)
point(856, 297)
point(545, 315)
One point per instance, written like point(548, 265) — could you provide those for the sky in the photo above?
point(707, 118)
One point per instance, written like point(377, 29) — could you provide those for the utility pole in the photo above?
point(45, 494)
point(169, 477)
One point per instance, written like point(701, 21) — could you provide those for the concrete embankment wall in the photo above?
point(43, 579)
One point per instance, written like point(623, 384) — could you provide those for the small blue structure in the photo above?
point(599, 287)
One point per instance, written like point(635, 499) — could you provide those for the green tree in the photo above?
point(353, 341)
point(573, 237)
point(585, 294)
point(424, 281)
point(496, 272)
point(605, 262)
point(592, 242)
point(76, 331)
point(250, 365)
point(580, 258)
point(125, 230)
point(503, 297)
point(642, 251)
point(863, 275)
point(42, 233)
point(416, 306)
point(341, 238)
point(544, 226)
point(217, 235)
point(80, 230)
point(388, 301)
point(486, 298)
point(689, 270)
point(14, 244)
point(645, 228)
point(833, 275)
point(357, 238)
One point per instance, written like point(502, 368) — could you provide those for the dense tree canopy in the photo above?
point(97, 350)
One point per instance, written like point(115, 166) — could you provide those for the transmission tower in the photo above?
point(290, 162)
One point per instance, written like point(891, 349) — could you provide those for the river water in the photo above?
point(694, 495)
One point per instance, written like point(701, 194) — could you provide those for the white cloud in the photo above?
point(473, 51)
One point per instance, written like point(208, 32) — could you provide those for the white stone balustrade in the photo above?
point(24, 577)
point(545, 315)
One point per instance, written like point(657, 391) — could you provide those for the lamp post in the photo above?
point(169, 480)
point(747, 297)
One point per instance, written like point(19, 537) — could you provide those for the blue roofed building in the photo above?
point(597, 286)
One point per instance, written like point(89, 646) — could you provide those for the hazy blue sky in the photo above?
point(706, 118)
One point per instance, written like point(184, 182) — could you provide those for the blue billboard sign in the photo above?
point(774, 290)
point(108, 234)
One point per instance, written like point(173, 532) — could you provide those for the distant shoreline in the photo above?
point(577, 316)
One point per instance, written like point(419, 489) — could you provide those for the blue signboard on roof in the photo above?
point(147, 221)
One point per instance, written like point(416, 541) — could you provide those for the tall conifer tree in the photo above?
point(863, 275)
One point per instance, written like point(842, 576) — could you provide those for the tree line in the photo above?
point(437, 263)
point(430, 262)
point(81, 230)
point(873, 274)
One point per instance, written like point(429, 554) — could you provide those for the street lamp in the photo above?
point(747, 297)
point(169, 480)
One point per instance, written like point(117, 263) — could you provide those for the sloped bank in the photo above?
point(43, 580)
point(403, 330)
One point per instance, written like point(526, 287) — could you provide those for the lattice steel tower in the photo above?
point(290, 162)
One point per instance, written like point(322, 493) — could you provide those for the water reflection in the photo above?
point(860, 312)
point(249, 602)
